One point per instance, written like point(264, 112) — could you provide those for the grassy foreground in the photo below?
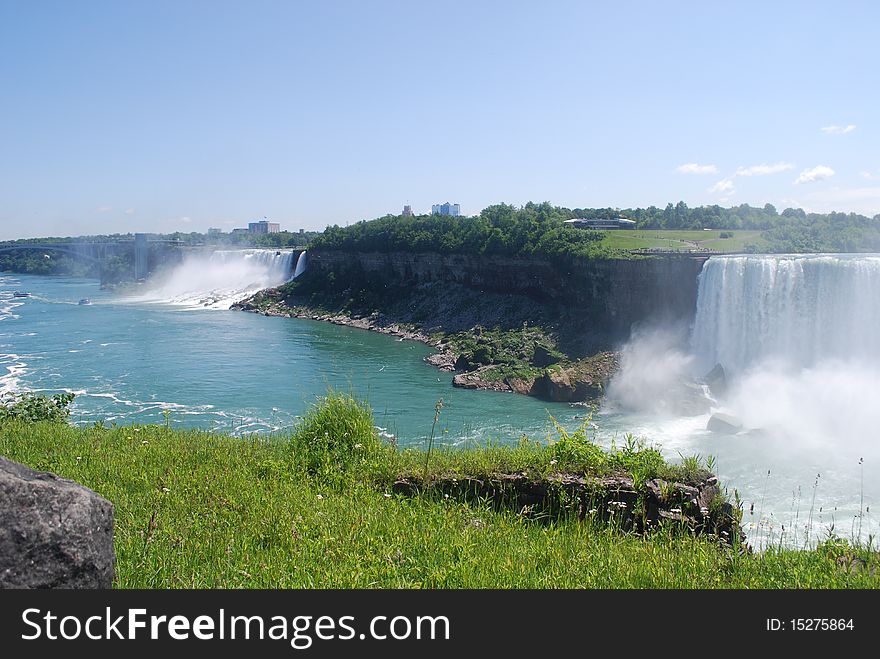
point(313, 509)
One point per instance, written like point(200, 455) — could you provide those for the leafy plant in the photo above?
point(577, 449)
point(337, 432)
point(30, 407)
point(635, 457)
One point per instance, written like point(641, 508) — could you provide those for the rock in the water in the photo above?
point(54, 533)
point(688, 399)
point(724, 423)
point(716, 380)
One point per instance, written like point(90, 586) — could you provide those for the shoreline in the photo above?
point(580, 381)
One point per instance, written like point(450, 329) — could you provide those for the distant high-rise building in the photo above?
point(214, 232)
point(446, 209)
point(407, 211)
point(263, 227)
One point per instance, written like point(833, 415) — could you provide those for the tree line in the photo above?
point(540, 228)
point(501, 229)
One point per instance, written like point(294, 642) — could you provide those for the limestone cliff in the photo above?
point(608, 296)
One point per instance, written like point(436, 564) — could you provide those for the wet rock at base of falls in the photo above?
point(724, 424)
point(716, 380)
point(689, 399)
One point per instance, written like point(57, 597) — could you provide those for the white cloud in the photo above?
point(818, 173)
point(838, 130)
point(724, 186)
point(694, 168)
point(869, 176)
point(104, 209)
point(186, 219)
point(764, 170)
point(129, 211)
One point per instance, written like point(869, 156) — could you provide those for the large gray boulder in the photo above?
point(725, 424)
point(54, 533)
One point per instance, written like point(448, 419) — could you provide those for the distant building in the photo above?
point(602, 223)
point(446, 209)
point(263, 227)
point(214, 232)
point(407, 211)
point(238, 232)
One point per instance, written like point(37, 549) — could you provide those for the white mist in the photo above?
point(218, 279)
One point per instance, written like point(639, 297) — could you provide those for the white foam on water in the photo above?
point(15, 369)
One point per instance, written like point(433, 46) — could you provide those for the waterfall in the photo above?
point(218, 279)
point(301, 264)
point(798, 337)
point(797, 310)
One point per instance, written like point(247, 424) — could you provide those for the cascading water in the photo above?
point(219, 279)
point(301, 264)
point(798, 337)
point(799, 310)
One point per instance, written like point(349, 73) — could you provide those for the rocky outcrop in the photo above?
point(582, 381)
point(54, 533)
point(445, 361)
point(699, 505)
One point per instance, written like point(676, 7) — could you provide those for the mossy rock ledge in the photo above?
point(698, 506)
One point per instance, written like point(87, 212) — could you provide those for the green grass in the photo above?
point(313, 509)
point(684, 240)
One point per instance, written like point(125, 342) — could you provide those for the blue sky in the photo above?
point(163, 116)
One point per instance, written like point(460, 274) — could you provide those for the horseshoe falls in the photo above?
point(796, 310)
point(798, 337)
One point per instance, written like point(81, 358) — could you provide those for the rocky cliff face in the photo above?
point(611, 295)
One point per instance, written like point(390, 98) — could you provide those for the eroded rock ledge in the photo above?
point(699, 506)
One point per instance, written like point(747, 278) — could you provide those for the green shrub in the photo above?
point(336, 434)
point(636, 458)
point(32, 407)
point(577, 450)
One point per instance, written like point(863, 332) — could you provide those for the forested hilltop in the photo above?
point(498, 229)
point(540, 229)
